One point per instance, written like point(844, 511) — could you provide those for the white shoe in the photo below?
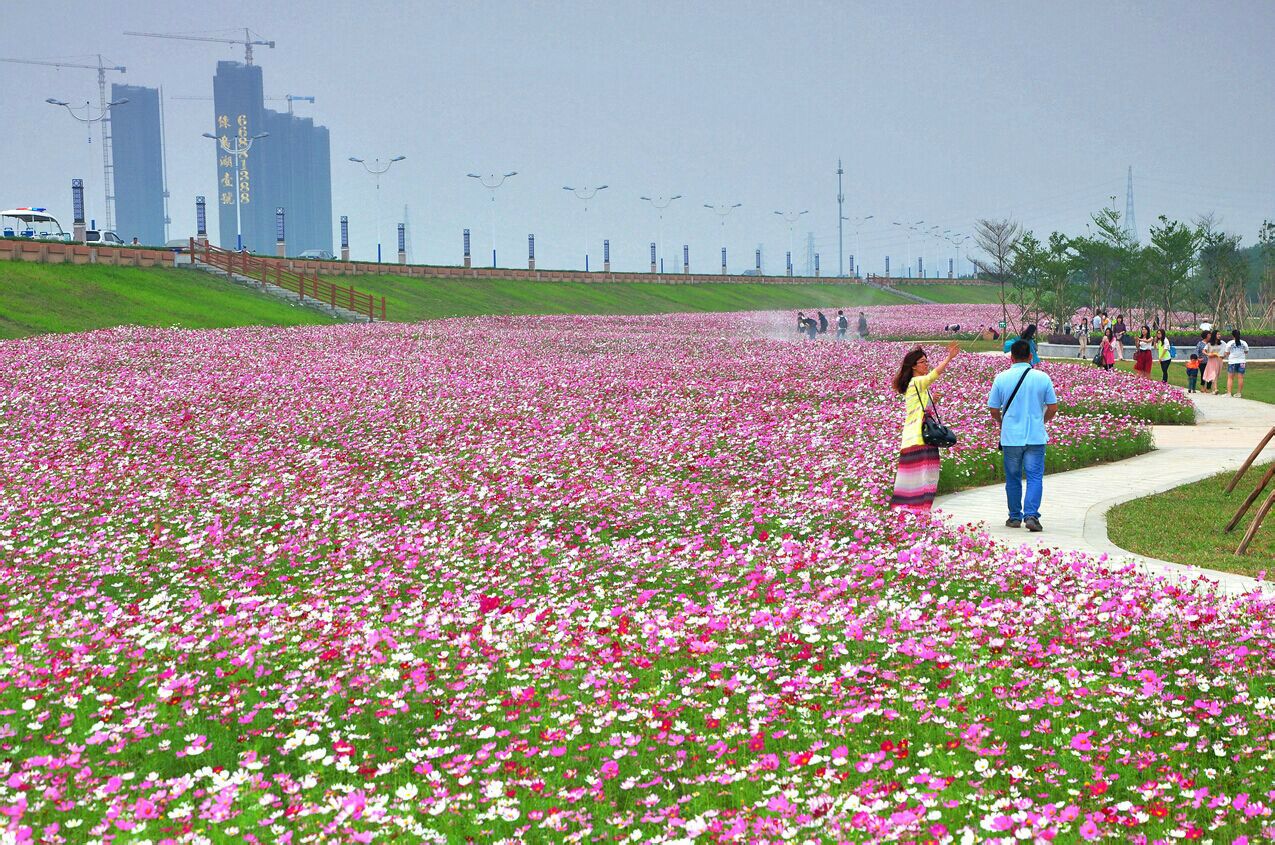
point(1239, 396)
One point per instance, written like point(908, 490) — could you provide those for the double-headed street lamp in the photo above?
point(88, 119)
point(722, 210)
point(376, 170)
point(791, 218)
point(585, 194)
point(491, 182)
point(238, 151)
point(857, 223)
point(659, 204)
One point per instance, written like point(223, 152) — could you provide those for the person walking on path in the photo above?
point(1022, 402)
point(1108, 350)
point(842, 325)
point(1213, 349)
point(1142, 357)
point(918, 477)
point(1203, 358)
point(1082, 337)
point(862, 328)
point(1119, 330)
point(1163, 354)
point(1236, 353)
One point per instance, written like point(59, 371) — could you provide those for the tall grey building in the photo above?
point(289, 169)
point(137, 155)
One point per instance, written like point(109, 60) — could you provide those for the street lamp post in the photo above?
point(239, 150)
point(376, 170)
point(857, 223)
point(659, 204)
point(585, 194)
point(88, 119)
point(722, 210)
point(491, 182)
point(791, 218)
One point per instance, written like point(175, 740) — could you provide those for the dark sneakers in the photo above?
point(1013, 523)
point(1033, 524)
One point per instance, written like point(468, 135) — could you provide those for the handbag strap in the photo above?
point(1014, 393)
point(933, 407)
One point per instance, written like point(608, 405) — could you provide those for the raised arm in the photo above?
point(953, 349)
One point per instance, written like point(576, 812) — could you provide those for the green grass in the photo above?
point(1200, 511)
point(953, 294)
point(1259, 381)
point(410, 299)
point(42, 298)
point(984, 468)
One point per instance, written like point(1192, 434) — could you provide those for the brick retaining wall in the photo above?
point(44, 252)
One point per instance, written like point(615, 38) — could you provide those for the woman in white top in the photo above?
point(1213, 354)
point(1236, 351)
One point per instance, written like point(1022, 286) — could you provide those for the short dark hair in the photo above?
point(1020, 350)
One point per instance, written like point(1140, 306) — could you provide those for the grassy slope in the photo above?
point(1201, 510)
point(425, 299)
point(38, 298)
point(976, 294)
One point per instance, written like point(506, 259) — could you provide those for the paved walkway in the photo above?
point(1076, 503)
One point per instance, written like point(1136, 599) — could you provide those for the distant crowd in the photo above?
point(814, 326)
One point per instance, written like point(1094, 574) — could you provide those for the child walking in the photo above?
point(1192, 372)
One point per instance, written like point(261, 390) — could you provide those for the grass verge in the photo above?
point(956, 294)
point(410, 299)
point(1200, 511)
point(1259, 381)
point(43, 298)
point(984, 468)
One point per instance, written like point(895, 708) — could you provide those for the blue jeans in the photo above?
point(1020, 461)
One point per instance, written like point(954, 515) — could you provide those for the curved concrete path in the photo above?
point(1074, 511)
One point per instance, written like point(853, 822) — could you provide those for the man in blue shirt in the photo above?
point(1023, 435)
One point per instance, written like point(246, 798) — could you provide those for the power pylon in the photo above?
point(407, 236)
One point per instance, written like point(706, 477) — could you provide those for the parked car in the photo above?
point(102, 237)
point(177, 245)
point(317, 254)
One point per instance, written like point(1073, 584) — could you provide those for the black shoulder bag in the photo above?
point(1009, 402)
point(933, 432)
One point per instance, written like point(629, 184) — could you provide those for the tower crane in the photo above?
point(247, 41)
point(107, 169)
point(291, 98)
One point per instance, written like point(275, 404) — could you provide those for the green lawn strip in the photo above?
point(1200, 511)
point(984, 468)
point(42, 298)
point(410, 299)
point(1259, 380)
point(955, 294)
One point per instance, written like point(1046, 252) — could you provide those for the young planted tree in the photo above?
point(1170, 258)
point(1225, 277)
point(997, 239)
point(1025, 269)
point(1266, 240)
point(1057, 269)
point(1124, 266)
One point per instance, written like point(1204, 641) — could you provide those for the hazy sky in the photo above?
point(943, 112)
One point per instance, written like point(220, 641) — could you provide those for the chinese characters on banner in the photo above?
point(232, 168)
point(245, 194)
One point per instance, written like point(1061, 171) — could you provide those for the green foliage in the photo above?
point(42, 298)
point(409, 298)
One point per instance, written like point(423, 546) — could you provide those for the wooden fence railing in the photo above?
point(304, 286)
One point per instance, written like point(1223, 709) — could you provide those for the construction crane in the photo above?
point(291, 98)
point(247, 41)
point(107, 170)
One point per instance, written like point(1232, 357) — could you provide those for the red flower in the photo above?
point(329, 654)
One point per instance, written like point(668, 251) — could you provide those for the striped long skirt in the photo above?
point(917, 480)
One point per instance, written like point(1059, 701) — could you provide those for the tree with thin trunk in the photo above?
point(998, 239)
point(1170, 258)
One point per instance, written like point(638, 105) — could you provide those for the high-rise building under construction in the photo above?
point(137, 156)
point(291, 168)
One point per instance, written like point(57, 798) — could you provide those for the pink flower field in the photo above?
point(581, 580)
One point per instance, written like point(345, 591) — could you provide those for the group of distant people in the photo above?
point(812, 327)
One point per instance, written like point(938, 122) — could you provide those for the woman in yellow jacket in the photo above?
point(1163, 354)
point(919, 463)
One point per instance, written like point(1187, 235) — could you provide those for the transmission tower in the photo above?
point(407, 236)
point(1130, 225)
